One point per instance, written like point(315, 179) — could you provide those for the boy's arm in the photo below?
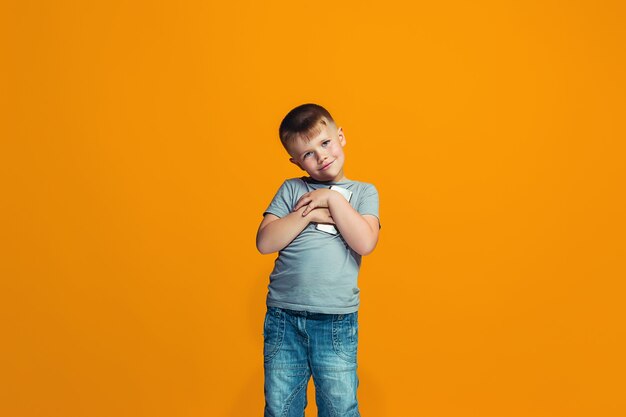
point(277, 232)
point(359, 231)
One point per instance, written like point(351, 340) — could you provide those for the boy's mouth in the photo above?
point(327, 165)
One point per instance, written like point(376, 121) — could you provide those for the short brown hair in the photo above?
point(303, 122)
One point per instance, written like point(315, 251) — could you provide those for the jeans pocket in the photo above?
point(346, 336)
point(273, 332)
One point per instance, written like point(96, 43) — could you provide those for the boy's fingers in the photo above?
point(307, 209)
point(300, 203)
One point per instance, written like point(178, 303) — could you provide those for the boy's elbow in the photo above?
point(261, 247)
point(366, 249)
point(366, 252)
point(368, 243)
point(264, 246)
point(266, 251)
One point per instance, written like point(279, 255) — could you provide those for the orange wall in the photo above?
point(139, 149)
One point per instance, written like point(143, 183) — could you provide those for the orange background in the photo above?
point(140, 148)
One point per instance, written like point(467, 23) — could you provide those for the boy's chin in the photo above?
point(322, 179)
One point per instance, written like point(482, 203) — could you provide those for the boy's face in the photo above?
point(322, 157)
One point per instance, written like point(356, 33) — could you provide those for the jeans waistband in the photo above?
point(309, 314)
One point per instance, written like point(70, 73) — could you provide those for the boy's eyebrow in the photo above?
point(324, 138)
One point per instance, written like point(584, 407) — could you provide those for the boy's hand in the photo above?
point(321, 215)
point(315, 199)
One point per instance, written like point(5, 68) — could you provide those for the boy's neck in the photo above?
point(330, 182)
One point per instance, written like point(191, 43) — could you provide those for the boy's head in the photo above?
point(315, 144)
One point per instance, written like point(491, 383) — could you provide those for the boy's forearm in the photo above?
point(279, 233)
point(355, 230)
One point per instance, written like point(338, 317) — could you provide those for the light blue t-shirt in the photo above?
point(317, 271)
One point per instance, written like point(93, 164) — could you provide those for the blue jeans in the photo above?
point(298, 345)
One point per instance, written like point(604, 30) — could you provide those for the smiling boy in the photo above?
point(311, 323)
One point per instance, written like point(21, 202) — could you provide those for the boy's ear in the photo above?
point(342, 138)
point(293, 161)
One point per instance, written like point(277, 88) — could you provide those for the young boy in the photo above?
point(320, 234)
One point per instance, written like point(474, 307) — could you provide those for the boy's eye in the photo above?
point(308, 154)
point(326, 142)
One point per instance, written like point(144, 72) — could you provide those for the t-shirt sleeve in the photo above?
point(368, 203)
point(281, 203)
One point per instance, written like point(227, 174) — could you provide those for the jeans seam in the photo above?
point(280, 337)
point(337, 343)
point(292, 397)
point(325, 397)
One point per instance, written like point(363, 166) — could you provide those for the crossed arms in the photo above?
point(320, 206)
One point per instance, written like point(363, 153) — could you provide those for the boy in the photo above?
point(311, 324)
